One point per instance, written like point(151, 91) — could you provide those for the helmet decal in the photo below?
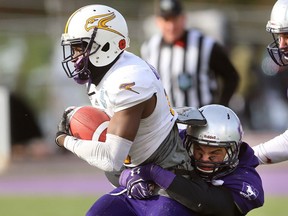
point(122, 44)
point(102, 20)
point(128, 86)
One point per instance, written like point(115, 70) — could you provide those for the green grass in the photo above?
point(272, 206)
point(45, 206)
point(77, 206)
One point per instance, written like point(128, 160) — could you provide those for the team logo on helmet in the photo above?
point(100, 22)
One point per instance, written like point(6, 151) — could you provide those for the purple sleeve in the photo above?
point(182, 133)
point(245, 183)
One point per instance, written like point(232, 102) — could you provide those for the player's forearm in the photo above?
point(108, 156)
point(202, 198)
point(274, 150)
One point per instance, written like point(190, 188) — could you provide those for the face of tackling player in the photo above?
point(214, 148)
point(208, 157)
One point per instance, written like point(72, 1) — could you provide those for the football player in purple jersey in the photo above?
point(224, 180)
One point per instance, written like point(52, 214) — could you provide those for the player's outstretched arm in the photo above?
point(274, 150)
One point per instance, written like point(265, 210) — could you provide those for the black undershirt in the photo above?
point(97, 73)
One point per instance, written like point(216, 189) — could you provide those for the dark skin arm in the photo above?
point(125, 123)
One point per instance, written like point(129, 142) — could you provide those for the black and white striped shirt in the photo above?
point(195, 70)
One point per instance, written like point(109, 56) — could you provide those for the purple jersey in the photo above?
point(244, 182)
point(124, 205)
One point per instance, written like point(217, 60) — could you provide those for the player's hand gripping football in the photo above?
point(63, 126)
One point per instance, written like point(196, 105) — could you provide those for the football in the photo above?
point(89, 123)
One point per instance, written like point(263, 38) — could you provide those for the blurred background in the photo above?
point(30, 57)
point(37, 89)
point(30, 54)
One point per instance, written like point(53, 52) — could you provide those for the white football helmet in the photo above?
point(278, 24)
point(224, 130)
point(101, 33)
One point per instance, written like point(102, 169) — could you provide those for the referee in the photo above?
point(194, 68)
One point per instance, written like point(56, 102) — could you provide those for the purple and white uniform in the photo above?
point(243, 187)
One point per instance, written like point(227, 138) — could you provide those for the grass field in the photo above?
point(77, 206)
point(45, 206)
point(273, 206)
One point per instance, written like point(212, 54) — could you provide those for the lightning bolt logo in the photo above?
point(100, 22)
point(128, 86)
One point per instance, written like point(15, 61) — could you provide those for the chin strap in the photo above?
point(82, 78)
point(83, 75)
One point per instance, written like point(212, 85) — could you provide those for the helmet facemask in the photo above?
point(216, 169)
point(101, 32)
point(223, 131)
point(77, 66)
point(278, 25)
point(278, 55)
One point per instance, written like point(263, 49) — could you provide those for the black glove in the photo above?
point(63, 126)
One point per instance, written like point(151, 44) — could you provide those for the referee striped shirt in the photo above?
point(195, 70)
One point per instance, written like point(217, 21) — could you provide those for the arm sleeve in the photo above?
point(108, 156)
point(201, 197)
point(274, 150)
point(224, 71)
